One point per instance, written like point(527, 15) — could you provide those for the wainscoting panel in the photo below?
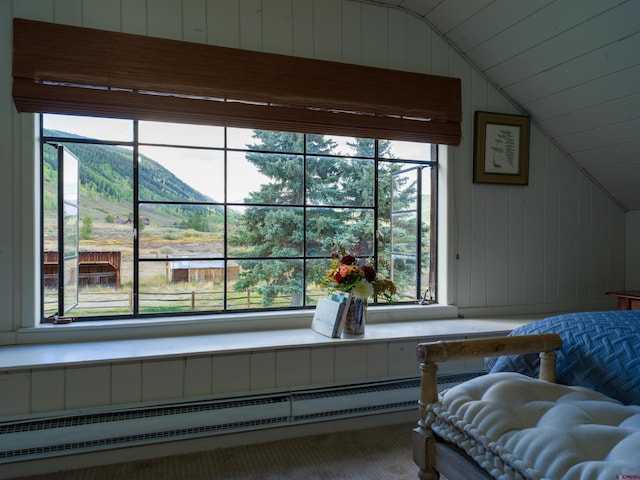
point(197, 376)
point(87, 386)
point(263, 370)
point(380, 357)
point(322, 365)
point(231, 373)
point(162, 379)
point(16, 393)
point(126, 383)
point(401, 359)
point(350, 362)
point(47, 390)
point(293, 367)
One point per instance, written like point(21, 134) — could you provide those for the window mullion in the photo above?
point(419, 233)
point(433, 258)
point(375, 202)
point(304, 221)
point(60, 157)
point(136, 226)
point(225, 223)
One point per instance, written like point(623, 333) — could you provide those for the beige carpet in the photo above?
point(381, 453)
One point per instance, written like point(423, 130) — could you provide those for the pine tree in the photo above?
point(339, 198)
point(274, 232)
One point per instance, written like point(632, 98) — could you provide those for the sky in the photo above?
point(200, 168)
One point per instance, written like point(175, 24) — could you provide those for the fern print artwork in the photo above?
point(501, 149)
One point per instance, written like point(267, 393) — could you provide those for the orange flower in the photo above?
point(344, 271)
point(347, 273)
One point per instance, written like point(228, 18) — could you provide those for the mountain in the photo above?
point(107, 171)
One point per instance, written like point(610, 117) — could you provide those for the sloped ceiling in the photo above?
point(572, 65)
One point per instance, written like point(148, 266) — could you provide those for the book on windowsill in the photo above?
point(330, 314)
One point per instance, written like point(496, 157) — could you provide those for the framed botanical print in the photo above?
point(501, 148)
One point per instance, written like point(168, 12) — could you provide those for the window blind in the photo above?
point(75, 70)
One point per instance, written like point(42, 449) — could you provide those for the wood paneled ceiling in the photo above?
point(572, 65)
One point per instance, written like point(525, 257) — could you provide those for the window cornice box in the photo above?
point(75, 70)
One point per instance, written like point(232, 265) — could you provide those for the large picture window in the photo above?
point(175, 219)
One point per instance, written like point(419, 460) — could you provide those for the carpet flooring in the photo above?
point(381, 453)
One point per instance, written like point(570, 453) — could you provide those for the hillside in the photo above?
point(106, 172)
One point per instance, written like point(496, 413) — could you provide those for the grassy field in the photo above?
point(157, 293)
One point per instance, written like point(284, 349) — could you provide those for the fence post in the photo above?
point(130, 300)
point(193, 300)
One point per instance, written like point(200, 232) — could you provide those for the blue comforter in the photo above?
point(600, 350)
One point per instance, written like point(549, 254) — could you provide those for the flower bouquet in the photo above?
point(359, 280)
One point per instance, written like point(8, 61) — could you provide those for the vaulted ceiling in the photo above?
point(572, 65)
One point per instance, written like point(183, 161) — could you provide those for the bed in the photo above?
point(561, 400)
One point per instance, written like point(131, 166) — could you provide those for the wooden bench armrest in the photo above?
point(431, 353)
point(442, 351)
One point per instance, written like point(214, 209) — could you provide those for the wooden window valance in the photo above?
point(75, 70)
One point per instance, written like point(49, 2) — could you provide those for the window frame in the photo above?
point(433, 164)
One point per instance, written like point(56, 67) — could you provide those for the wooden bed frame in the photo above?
point(434, 456)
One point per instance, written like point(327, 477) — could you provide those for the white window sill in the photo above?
point(210, 324)
point(67, 353)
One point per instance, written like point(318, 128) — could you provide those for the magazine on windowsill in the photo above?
point(330, 315)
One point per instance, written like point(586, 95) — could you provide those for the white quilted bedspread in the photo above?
point(518, 427)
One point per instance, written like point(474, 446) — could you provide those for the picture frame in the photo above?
point(501, 148)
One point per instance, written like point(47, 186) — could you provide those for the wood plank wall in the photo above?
point(556, 244)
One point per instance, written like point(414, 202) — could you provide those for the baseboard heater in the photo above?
point(34, 438)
